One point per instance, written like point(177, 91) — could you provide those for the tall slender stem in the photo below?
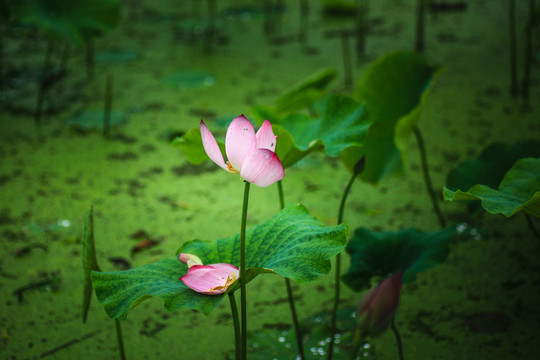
point(338, 270)
point(236, 323)
point(356, 344)
point(420, 26)
point(427, 177)
point(526, 83)
point(119, 339)
point(45, 73)
point(108, 107)
point(398, 338)
point(531, 226)
point(513, 48)
point(290, 294)
point(243, 297)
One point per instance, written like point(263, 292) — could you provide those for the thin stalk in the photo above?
point(531, 226)
point(356, 344)
point(290, 294)
point(304, 22)
point(361, 28)
point(513, 48)
point(108, 107)
point(90, 59)
point(346, 51)
point(236, 322)
point(398, 338)
point(338, 270)
point(43, 84)
point(119, 339)
point(526, 83)
point(420, 26)
point(243, 295)
point(427, 177)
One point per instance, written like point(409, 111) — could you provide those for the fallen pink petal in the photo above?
point(211, 279)
point(250, 154)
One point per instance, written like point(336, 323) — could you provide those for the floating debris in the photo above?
point(144, 244)
point(25, 250)
point(49, 283)
point(188, 80)
point(120, 262)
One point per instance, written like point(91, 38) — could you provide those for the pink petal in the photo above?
point(262, 168)
point(211, 147)
point(240, 141)
point(189, 259)
point(210, 279)
point(265, 137)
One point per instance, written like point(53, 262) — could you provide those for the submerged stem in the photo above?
point(427, 177)
point(243, 296)
point(119, 339)
point(398, 338)
point(290, 294)
point(531, 226)
point(338, 269)
point(236, 323)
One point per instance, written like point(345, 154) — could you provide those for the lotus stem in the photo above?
point(243, 295)
point(513, 48)
point(427, 177)
point(43, 84)
point(338, 270)
point(290, 294)
point(236, 322)
point(356, 344)
point(90, 59)
point(304, 22)
point(398, 338)
point(346, 51)
point(119, 339)
point(108, 107)
point(361, 28)
point(531, 226)
point(528, 53)
point(420, 26)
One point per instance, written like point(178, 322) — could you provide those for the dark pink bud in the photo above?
point(379, 305)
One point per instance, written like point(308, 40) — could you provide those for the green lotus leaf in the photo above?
point(292, 244)
point(491, 165)
point(78, 21)
point(192, 147)
point(394, 90)
point(380, 254)
point(519, 190)
point(306, 92)
point(343, 123)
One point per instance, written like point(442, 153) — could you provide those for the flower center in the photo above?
point(229, 166)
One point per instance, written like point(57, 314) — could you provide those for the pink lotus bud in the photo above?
point(189, 259)
point(379, 305)
point(211, 279)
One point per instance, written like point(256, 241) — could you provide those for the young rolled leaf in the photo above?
point(306, 92)
point(394, 89)
point(89, 261)
point(78, 21)
point(519, 190)
point(343, 123)
point(291, 244)
point(380, 254)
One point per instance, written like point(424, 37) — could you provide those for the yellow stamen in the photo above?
point(229, 166)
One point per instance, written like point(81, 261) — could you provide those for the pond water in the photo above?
point(482, 303)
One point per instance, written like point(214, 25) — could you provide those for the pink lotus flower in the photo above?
point(249, 154)
point(379, 305)
point(211, 279)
